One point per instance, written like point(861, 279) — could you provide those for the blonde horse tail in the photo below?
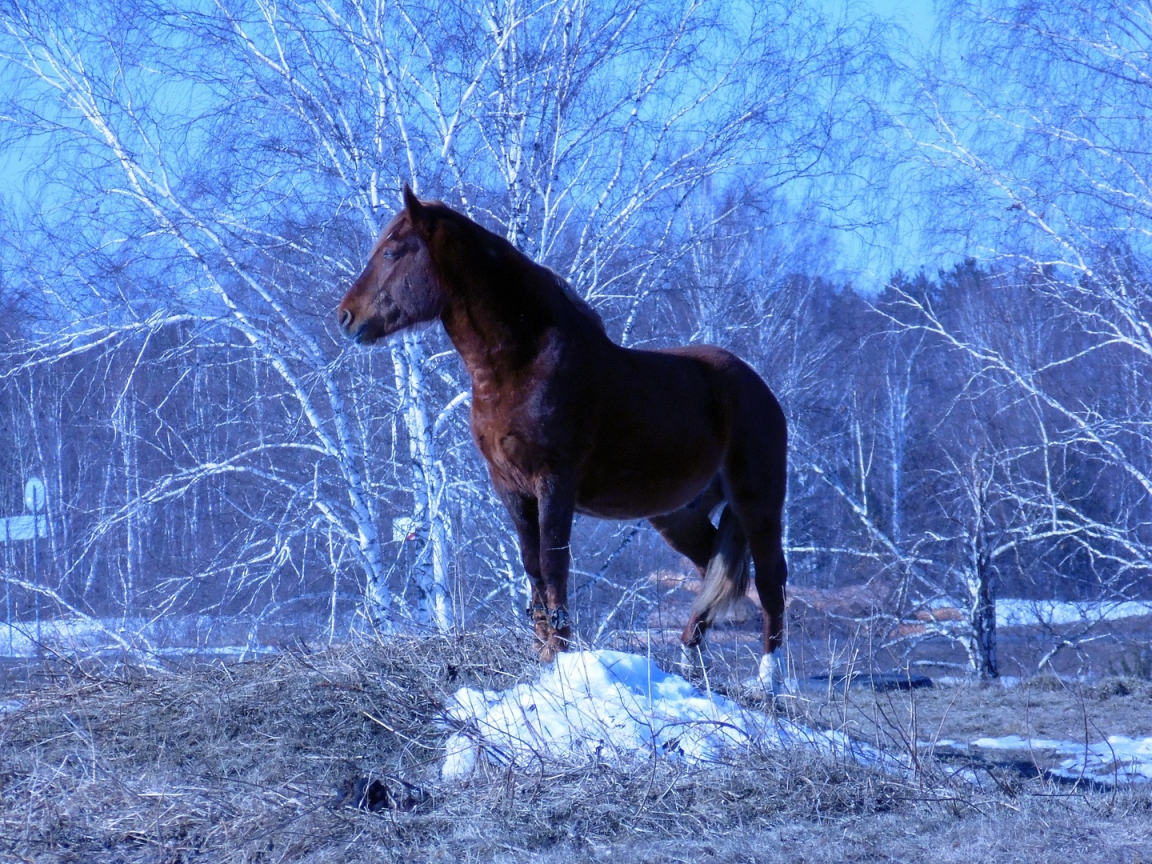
point(726, 579)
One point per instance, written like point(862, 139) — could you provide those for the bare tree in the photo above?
point(1028, 138)
point(215, 173)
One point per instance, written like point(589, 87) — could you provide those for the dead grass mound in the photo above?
point(334, 757)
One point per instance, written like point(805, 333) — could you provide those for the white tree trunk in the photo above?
point(981, 612)
point(430, 521)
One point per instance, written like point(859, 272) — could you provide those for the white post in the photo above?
point(32, 528)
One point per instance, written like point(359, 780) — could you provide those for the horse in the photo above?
point(570, 422)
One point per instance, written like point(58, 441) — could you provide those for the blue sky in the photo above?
point(918, 17)
point(868, 268)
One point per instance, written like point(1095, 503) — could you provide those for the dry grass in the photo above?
point(243, 763)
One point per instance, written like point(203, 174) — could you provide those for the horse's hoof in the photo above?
point(692, 635)
point(543, 634)
point(542, 630)
point(556, 642)
point(772, 676)
point(694, 658)
point(545, 648)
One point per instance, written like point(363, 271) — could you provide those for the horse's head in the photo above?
point(399, 286)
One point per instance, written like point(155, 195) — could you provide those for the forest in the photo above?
point(937, 255)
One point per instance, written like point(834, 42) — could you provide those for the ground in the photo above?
point(244, 762)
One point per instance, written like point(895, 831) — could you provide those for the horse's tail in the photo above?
point(726, 579)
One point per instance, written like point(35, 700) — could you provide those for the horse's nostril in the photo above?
point(345, 319)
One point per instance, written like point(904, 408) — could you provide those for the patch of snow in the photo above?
point(7, 706)
point(1117, 759)
point(1022, 613)
point(1015, 742)
point(620, 707)
point(22, 639)
point(1018, 612)
point(146, 638)
point(940, 742)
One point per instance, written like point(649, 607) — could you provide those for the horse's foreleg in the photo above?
point(525, 513)
point(557, 502)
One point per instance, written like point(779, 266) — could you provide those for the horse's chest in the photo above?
point(510, 444)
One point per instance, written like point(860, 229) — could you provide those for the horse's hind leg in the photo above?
point(771, 577)
point(688, 530)
point(761, 520)
point(756, 476)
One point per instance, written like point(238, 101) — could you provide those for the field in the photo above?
point(258, 761)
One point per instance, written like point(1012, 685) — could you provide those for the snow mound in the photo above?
point(617, 707)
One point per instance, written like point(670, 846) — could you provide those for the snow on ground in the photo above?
point(69, 635)
point(617, 707)
point(1012, 612)
point(75, 636)
point(620, 707)
point(1018, 612)
point(1117, 759)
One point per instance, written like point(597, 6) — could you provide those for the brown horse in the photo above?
point(569, 421)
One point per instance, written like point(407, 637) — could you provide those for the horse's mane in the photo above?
point(566, 290)
point(579, 302)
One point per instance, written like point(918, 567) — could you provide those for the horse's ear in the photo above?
point(416, 210)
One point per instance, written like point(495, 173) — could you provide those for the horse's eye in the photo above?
point(389, 254)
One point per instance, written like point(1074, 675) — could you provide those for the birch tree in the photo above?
point(219, 171)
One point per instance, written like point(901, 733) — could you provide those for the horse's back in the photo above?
point(668, 421)
point(749, 401)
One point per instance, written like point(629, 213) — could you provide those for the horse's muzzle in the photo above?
point(355, 329)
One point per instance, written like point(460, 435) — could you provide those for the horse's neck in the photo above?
point(495, 335)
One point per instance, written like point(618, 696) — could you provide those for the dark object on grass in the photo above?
point(569, 421)
point(365, 793)
point(880, 681)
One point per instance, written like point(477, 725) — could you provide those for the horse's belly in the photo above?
point(646, 488)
